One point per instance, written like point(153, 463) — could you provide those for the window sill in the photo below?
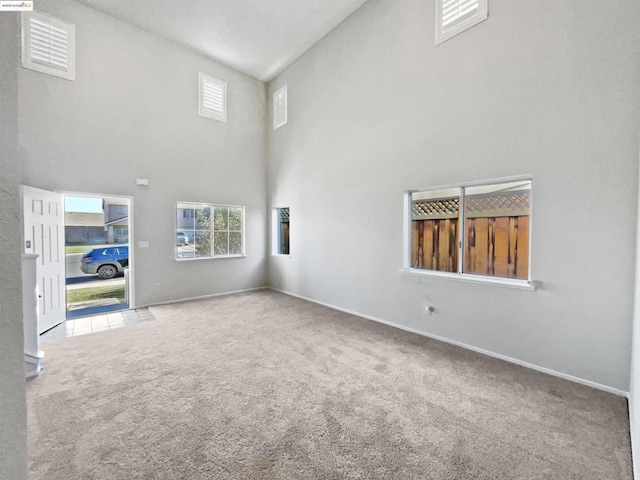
point(217, 257)
point(466, 277)
point(281, 255)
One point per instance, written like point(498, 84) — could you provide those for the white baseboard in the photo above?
point(201, 297)
point(33, 364)
point(635, 446)
point(33, 357)
point(489, 353)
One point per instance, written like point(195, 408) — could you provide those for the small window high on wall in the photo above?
point(48, 45)
point(480, 229)
point(456, 16)
point(280, 107)
point(213, 98)
point(281, 219)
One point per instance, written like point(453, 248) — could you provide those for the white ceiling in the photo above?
point(257, 37)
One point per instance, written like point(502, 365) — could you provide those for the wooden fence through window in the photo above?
point(435, 244)
point(284, 231)
point(496, 240)
point(497, 246)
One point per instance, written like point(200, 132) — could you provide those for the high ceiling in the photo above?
point(258, 37)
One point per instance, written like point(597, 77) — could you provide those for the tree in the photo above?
point(203, 233)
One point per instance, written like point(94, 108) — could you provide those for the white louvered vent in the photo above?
point(213, 98)
point(48, 45)
point(280, 107)
point(456, 16)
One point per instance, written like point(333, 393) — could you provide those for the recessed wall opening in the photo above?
point(280, 231)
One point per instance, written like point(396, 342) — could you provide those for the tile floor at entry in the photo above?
point(98, 323)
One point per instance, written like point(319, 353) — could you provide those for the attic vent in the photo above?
point(213, 98)
point(456, 16)
point(48, 45)
point(280, 107)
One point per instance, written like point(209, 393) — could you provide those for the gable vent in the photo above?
point(48, 45)
point(280, 107)
point(213, 98)
point(456, 16)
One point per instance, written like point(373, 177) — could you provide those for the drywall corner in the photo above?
point(634, 387)
point(13, 422)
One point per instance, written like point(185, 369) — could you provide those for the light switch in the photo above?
point(143, 244)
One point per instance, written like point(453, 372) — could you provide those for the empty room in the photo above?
point(319, 239)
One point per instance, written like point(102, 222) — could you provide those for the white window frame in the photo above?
point(275, 232)
point(210, 112)
point(212, 256)
point(445, 33)
point(528, 284)
point(27, 62)
point(280, 95)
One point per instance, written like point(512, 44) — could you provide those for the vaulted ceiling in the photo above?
point(257, 37)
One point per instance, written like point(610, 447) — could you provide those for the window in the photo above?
point(209, 231)
point(48, 45)
point(491, 236)
point(280, 107)
point(120, 230)
point(456, 16)
point(281, 231)
point(213, 98)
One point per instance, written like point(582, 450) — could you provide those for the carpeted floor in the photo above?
point(261, 385)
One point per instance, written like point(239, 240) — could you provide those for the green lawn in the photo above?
point(77, 248)
point(95, 293)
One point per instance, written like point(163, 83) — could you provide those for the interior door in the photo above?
point(43, 219)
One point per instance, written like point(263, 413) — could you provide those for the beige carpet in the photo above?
point(262, 385)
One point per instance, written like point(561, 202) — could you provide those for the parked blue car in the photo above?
point(106, 262)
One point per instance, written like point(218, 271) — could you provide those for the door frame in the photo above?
point(131, 282)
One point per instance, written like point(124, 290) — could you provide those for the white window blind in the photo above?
point(48, 45)
point(456, 16)
point(213, 98)
point(280, 107)
point(455, 10)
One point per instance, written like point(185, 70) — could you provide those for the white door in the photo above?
point(43, 217)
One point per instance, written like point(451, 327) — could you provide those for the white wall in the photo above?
point(547, 88)
point(634, 390)
point(133, 112)
point(13, 417)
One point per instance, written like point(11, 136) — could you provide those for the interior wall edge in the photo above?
point(634, 427)
point(635, 453)
point(13, 408)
